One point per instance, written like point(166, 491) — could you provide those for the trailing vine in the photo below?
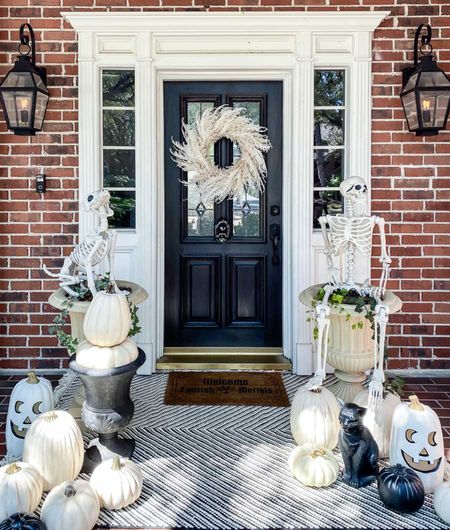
point(102, 283)
point(340, 297)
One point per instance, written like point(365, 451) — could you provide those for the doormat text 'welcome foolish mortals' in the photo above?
point(263, 389)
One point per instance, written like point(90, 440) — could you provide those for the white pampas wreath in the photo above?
point(212, 182)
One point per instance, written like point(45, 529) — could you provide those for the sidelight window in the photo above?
point(329, 141)
point(118, 145)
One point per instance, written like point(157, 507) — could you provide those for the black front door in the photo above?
point(223, 294)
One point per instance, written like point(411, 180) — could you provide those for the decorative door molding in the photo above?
point(282, 46)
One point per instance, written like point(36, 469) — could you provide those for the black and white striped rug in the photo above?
point(226, 468)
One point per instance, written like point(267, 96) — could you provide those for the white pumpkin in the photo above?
point(30, 398)
point(21, 488)
point(117, 482)
point(417, 442)
point(441, 501)
point(103, 357)
point(379, 422)
point(314, 418)
point(314, 467)
point(71, 505)
point(54, 445)
point(108, 320)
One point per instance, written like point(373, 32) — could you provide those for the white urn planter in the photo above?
point(350, 348)
point(77, 312)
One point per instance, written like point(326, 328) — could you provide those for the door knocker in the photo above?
point(222, 231)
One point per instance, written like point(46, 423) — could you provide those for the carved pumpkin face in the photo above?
point(29, 399)
point(420, 454)
point(417, 442)
point(22, 415)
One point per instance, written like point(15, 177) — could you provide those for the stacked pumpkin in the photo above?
point(106, 327)
point(315, 427)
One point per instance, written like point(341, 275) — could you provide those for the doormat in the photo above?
point(263, 389)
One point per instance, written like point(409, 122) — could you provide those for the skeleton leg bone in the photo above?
point(323, 326)
point(376, 384)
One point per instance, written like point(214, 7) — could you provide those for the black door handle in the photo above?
point(275, 234)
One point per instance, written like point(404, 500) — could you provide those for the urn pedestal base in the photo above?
point(347, 385)
point(107, 410)
point(350, 343)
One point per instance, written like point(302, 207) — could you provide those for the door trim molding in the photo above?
point(282, 46)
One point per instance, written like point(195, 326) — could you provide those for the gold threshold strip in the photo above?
point(223, 361)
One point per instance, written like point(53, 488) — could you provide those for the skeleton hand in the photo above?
point(376, 390)
point(317, 380)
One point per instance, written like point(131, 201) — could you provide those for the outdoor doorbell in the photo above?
point(41, 184)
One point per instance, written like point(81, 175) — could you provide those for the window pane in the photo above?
point(118, 168)
point(124, 205)
point(326, 202)
point(328, 168)
point(195, 108)
point(247, 210)
point(118, 127)
point(200, 214)
point(328, 127)
point(329, 88)
point(118, 88)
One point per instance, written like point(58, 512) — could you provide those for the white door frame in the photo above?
point(224, 46)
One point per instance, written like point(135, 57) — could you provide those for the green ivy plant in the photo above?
point(362, 304)
point(102, 283)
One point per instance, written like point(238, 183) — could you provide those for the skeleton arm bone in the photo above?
point(385, 259)
point(376, 384)
point(332, 269)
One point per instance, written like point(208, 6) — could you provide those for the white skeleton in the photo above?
point(97, 246)
point(348, 234)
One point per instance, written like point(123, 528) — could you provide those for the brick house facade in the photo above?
point(410, 177)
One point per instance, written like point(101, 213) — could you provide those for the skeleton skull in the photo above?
point(354, 189)
point(97, 200)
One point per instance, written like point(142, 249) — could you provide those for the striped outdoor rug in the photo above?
point(226, 468)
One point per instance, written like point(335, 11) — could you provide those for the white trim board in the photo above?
point(224, 46)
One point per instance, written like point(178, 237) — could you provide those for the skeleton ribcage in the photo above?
point(83, 249)
point(351, 230)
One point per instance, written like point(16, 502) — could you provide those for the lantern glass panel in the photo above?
point(433, 79)
point(18, 107)
point(41, 105)
point(411, 82)
point(409, 102)
point(18, 80)
point(433, 106)
point(39, 83)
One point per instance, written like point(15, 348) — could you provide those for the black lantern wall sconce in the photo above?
point(23, 93)
point(426, 89)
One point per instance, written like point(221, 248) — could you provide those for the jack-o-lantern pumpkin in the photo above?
point(417, 442)
point(30, 398)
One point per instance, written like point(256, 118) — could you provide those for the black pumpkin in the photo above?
point(22, 521)
point(401, 489)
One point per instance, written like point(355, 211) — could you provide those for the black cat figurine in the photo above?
point(358, 448)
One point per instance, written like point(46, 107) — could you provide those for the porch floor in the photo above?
point(432, 391)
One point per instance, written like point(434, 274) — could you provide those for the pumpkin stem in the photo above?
point(415, 403)
point(51, 416)
point(32, 379)
point(70, 491)
point(110, 289)
point(12, 468)
point(318, 452)
point(116, 465)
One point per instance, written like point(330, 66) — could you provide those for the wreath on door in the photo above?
point(212, 182)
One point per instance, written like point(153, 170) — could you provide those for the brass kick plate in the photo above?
point(221, 360)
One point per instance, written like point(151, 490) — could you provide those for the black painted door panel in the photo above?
point(223, 294)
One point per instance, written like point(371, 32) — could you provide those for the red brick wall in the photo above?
point(409, 177)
